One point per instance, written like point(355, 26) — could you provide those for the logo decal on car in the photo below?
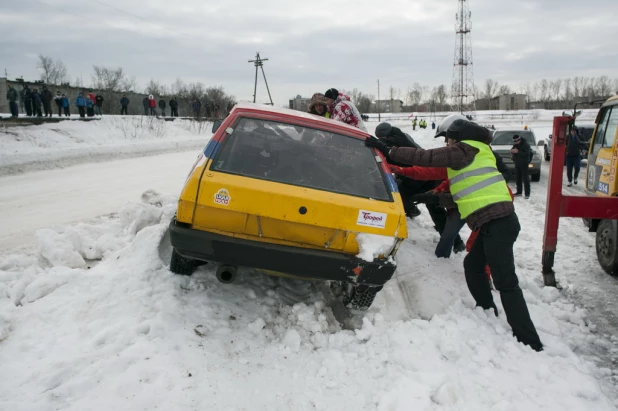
point(371, 219)
point(222, 197)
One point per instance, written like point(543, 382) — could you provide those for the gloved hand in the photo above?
point(396, 169)
point(427, 198)
point(377, 143)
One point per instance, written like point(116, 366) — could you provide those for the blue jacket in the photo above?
point(89, 103)
point(81, 101)
point(124, 101)
point(65, 102)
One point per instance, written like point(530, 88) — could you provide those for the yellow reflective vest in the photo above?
point(479, 184)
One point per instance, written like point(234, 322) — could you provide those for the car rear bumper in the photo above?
point(296, 261)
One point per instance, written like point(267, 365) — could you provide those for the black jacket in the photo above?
point(162, 104)
point(574, 145)
point(46, 96)
point(124, 101)
point(522, 157)
point(173, 103)
point(98, 100)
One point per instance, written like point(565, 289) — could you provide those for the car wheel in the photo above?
point(361, 296)
point(182, 265)
point(547, 158)
point(536, 177)
point(607, 246)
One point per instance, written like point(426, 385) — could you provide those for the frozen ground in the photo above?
point(91, 318)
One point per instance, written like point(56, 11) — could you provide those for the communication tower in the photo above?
point(462, 90)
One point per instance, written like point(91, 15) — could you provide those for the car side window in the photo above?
point(600, 135)
point(610, 129)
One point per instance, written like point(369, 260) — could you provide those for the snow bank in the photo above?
point(371, 246)
point(52, 145)
point(128, 334)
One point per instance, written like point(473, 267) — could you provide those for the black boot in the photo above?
point(519, 319)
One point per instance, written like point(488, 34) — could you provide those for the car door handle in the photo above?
point(606, 173)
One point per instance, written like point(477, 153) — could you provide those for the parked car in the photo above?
point(585, 134)
point(290, 194)
point(502, 143)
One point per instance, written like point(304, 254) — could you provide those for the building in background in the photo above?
point(387, 106)
point(300, 103)
point(504, 102)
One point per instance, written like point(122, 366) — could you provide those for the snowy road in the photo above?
point(32, 201)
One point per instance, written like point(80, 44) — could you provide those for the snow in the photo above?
point(373, 245)
point(65, 143)
point(122, 332)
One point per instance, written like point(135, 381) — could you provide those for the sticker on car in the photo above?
point(371, 219)
point(603, 188)
point(222, 197)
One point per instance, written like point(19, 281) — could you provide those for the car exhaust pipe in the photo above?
point(226, 273)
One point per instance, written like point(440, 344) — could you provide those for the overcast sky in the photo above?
point(311, 45)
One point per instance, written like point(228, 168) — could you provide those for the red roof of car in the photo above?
point(299, 117)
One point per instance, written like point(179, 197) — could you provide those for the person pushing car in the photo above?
point(483, 200)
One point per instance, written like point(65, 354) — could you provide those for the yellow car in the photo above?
point(293, 194)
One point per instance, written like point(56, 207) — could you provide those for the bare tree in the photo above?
point(416, 95)
point(179, 88)
point(109, 79)
point(603, 86)
point(504, 90)
point(491, 90)
point(52, 71)
point(154, 87)
point(441, 96)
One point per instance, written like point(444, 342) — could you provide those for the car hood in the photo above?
point(507, 149)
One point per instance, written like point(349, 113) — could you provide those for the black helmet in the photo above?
point(445, 124)
point(383, 129)
point(467, 130)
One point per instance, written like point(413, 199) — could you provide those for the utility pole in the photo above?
point(462, 89)
point(379, 117)
point(259, 63)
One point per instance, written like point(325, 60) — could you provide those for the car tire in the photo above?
point(547, 157)
point(536, 177)
point(361, 296)
point(182, 265)
point(607, 246)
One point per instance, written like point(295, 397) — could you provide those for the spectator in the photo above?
point(433, 125)
point(196, 106)
point(146, 104)
point(522, 154)
point(124, 105)
point(82, 103)
point(11, 96)
point(66, 105)
point(98, 104)
point(162, 106)
point(58, 101)
point(342, 109)
point(573, 156)
point(27, 97)
point(319, 105)
point(174, 107)
point(90, 106)
point(46, 99)
point(152, 104)
point(36, 103)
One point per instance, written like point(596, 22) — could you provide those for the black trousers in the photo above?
point(522, 175)
point(67, 111)
point(28, 105)
point(47, 108)
point(14, 109)
point(124, 110)
point(59, 109)
point(494, 247)
point(36, 110)
point(82, 111)
point(174, 112)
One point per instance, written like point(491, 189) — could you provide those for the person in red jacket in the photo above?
point(152, 104)
point(90, 107)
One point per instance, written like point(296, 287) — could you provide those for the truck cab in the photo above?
point(602, 181)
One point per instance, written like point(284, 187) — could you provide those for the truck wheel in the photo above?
point(536, 177)
point(361, 296)
point(547, 158)
point(607, 246)
point(182, 265)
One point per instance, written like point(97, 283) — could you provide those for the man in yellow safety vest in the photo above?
point(480, 193)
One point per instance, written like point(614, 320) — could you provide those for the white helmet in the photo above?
point(444, 124)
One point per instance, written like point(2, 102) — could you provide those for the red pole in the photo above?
point(554, 198)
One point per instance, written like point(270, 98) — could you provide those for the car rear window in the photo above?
point(302, 156)
point(504, 138)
